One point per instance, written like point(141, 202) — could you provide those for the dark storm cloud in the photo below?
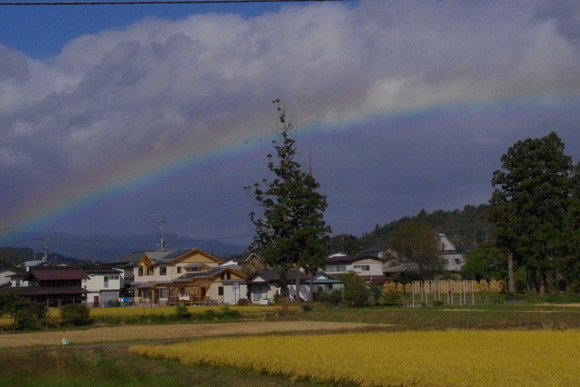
point(141, 95)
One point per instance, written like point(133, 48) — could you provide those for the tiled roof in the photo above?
point(55, 273)
point(349, 259)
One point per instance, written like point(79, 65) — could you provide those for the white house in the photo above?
point(453, 260)
point(263, 285)
point(366, 266)
point(104, 284)
point(6, 272)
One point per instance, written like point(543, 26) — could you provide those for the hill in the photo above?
point(107, 248)
point(468, 226)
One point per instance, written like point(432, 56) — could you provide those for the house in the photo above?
point(375, 251)
point(394, 267)
point(6, 272)
point(51, 285)
point(186, 275)
point(248, 264)
point(366, 266)
point(105, 284)
point(263, 285)
point(215, 285)
point(453, 259)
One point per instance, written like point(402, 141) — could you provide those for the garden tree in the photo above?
point(356, 291)
point(344, 243)
point(486, 261)
point(292, 232)
point(417, 242)
point(529, 205)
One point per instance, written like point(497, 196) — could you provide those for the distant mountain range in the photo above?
point(107, 248)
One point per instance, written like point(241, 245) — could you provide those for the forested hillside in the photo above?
point(463, 226)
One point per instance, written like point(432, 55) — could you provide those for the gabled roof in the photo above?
point(132, 258)
point(172, 256)
point(56, 273)
point(272, 276)
point(349, 259)
point(371, 250)
point(210, 273)
point(15, 270)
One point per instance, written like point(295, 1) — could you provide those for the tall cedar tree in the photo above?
point(292, 232)
point(530, 203)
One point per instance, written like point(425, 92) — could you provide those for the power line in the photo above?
point(144, 2)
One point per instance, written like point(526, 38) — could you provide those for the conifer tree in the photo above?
point(291, 232)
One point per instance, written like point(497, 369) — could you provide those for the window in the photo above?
point(163, 270)
point(163, 293)
point(362, 267)
point(228, 276)
point(221, 291)
point(178, 269)
point(140, 272)
point(457, 261)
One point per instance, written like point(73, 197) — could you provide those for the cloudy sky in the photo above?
point(115, 116)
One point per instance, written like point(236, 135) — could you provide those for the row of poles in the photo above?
point(447, 287)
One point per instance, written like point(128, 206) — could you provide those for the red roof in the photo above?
point(56, 273)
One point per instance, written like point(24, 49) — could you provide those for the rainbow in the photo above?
point(113, 187)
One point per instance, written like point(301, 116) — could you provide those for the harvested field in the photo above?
point(167, 332)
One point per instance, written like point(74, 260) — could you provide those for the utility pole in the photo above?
point(161, 223)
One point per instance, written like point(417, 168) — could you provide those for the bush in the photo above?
point(26, 320)
point(227, 312)
point(393, 299)
point(243, 302)
point(182, 311)
point(357, 294)
point(306, 308)
point(333, 298)
point(438, 303)
point(75, 314)
point(210, 314)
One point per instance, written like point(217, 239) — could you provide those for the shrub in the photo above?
point(210, 314)
point(75, 314)
point(182, 311)
point(332, 298)
point(306, 308)
point(356, 295)
point(356, 292)
point(26, 319)
point(438, 303)
point(243, 302)
point(393, 299)
point(227, 312)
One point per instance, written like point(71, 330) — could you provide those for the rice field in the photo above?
point(436, 358)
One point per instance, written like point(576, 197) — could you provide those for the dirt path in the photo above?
point(167, 332)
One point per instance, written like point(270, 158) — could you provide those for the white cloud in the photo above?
point(163, 86)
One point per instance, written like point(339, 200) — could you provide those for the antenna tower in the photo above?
point(160, 224)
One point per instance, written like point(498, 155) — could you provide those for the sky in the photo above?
point(113, 117)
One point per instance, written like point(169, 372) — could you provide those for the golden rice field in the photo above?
point(442, 358)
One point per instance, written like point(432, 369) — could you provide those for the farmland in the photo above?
point(452, 358)
point(473, 340)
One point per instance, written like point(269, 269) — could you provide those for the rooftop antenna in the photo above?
point(45, 241)
point(161, 223)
